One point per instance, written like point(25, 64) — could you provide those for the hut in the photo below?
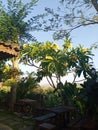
point(8, 51)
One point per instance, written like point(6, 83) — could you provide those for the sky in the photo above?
point(85, 36)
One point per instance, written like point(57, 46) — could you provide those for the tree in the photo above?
point(14, 26)
point(15, 29)
point(52, 62)
point(69, 16)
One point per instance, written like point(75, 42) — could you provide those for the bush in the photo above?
point(25, 87)
point(52, 98)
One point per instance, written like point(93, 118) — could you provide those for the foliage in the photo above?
point(5, 89)
point(52, 62)
point(11, 82)
point(68, 92)
point(84, 98)
point(2, 66)
point(4, 94)
point(52, 99)
point(15, 29)
point(8, 72)
point(25, 86)
point(69, 16)
point(90, 93)
point(13, 23)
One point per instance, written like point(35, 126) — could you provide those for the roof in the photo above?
point(8, 51)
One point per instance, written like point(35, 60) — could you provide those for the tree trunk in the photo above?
point(15, 62)
point(14, 86)
point(12, 98)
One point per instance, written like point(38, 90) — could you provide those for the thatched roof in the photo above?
point(8, 51)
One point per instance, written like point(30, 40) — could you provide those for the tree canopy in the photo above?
point(15, 29)
point(69, 16)
point(14, 25)
point(53, 62)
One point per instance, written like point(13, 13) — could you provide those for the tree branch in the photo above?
point(52, 82)
point(95, 4)
point(49, 81)
point(80, 25)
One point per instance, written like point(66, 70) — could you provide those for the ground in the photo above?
point(14, 121)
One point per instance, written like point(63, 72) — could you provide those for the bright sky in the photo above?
point(84, 35)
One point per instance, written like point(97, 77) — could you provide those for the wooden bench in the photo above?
point(47, 126)
point(44, 118)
